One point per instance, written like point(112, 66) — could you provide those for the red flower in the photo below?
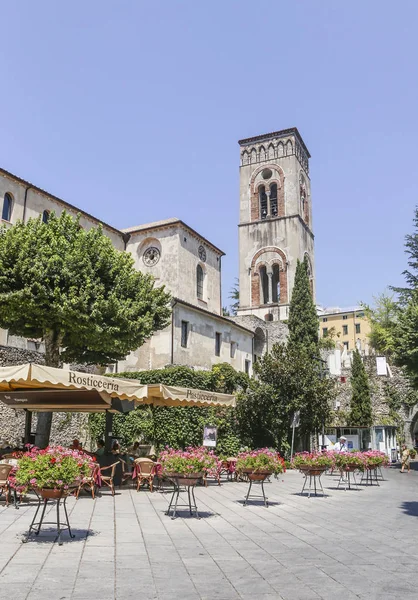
point(53, 460)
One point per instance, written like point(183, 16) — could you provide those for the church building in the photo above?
point(275, 230)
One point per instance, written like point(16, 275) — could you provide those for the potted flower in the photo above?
point(312, 463)
point(53, 471)
point(189, 465)
point(372, 459)
point(259, 464)
point(349, 461)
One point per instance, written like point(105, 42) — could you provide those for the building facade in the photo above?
point(349, 327)
point(275, 225)
point(275, 230)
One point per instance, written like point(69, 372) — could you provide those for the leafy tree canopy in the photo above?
point(383, 318)
point(72, 288)
point(288, 380)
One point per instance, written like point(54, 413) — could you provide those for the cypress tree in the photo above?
point(361, 404)
point(303, 320)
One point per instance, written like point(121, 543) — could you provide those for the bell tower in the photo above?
point(275, 225)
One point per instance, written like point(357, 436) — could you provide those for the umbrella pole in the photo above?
point(28, 426)
point(108, 431)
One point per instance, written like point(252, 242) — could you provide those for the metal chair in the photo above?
point(145, 470)
point(4, 480)
point(89, 482)
point(108, 479)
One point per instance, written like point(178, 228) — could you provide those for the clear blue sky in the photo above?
point(132, 111)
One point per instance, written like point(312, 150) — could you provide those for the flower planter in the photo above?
point(52, 494)
point(313, 471)
point(351, 468)
point(261, 476)
point(185, 479)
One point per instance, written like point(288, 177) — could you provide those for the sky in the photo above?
point(132, 111)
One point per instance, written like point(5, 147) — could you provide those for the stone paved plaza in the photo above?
point(350, 544)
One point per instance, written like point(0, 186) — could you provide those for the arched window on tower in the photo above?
point(199, 282)
point(276, 284)
point(263, 201)
point(6, 214)
point(45, 216)
point(273, 200)
point(264, 284)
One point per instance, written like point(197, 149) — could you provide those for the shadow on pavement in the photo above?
point(49, 535)
point(410, 508)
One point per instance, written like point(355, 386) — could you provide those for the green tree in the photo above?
point(406, 338)
point(74, 290)
point(288, 380)
point(234, 295)
point(383, 317)
point(361, 404)
point(303, 320)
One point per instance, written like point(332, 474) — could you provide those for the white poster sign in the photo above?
point(209, 436)
point(381, 365)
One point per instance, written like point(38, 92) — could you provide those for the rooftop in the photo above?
point(275, 134)
point(170, 223)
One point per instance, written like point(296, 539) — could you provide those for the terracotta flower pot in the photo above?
point(261, 476)
point(313, 471)
point(185, 479)
point(52, 494)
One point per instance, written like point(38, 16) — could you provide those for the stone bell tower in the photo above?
point(275, 226)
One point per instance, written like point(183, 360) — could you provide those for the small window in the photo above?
point(346, 345)
point(325, 319)
point(358, 328)
point(325, 331)
point(6, 214)
point(45, 216)
point(199, 282)
point(247, 366)
point(345, 329)
point(345, 317)
point(218, 338)
point(233, 349)
point(184, 333)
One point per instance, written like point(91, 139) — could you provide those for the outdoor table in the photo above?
point(181, 485)
point(368, 473)
point(36, 527)
point(314, 474)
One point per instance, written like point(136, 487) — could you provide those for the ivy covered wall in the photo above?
point(179, 427)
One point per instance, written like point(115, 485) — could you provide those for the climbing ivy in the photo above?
point(180, 426)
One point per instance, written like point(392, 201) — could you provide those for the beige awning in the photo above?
point(167, 395)
point(37, 387)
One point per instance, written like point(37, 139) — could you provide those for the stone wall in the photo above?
point(65, 426)
point(381, 409)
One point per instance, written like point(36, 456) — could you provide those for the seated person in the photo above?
point(75, 445)
point(100, 448)
point(115, 447)
point(134, 450)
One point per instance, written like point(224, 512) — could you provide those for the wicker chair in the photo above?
point(4, 480)
point(89, 482)
point(108, 479)
point(145, 469)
